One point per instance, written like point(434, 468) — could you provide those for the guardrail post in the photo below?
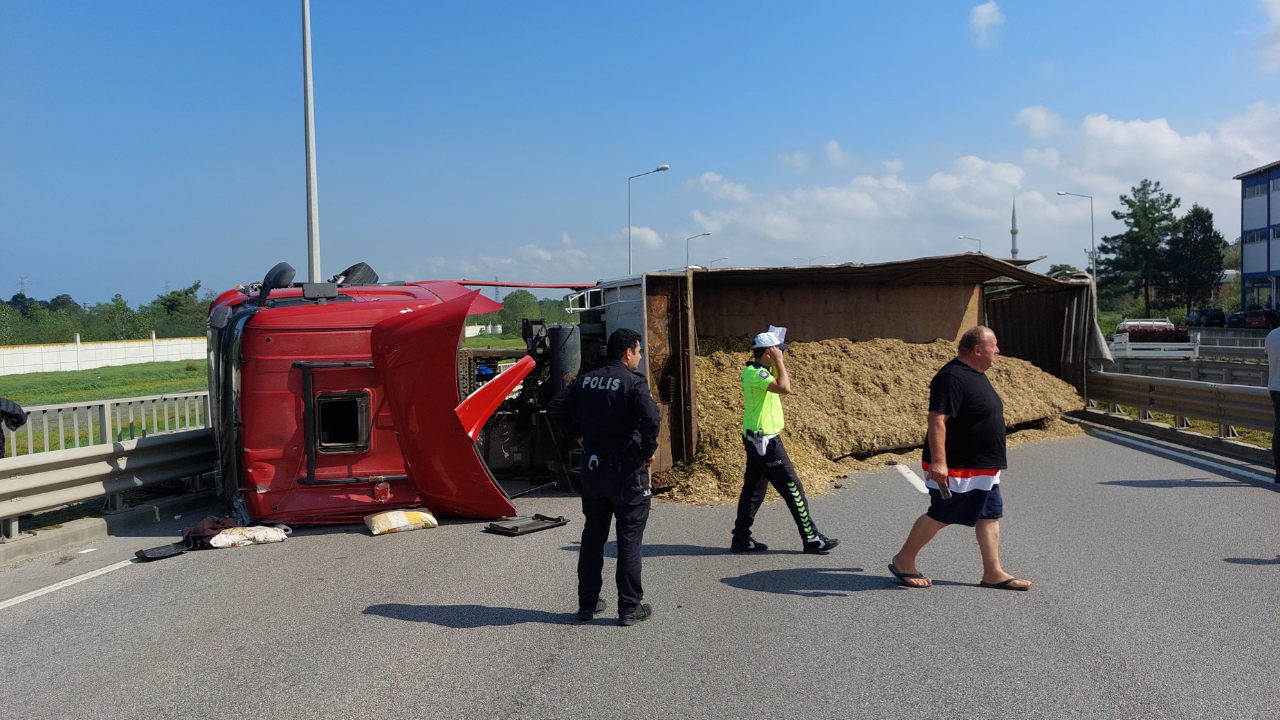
point(104, 424)
point(1226, 431)
point(115, 503)
point(9, 529)
point(1113, 409)
point(1180, 422)
point(1144, 414)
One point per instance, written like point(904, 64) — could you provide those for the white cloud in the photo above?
point(984, 22)
point(795, 160)
point(1048, 157)
point(647, 237)
point(870, 219)
point(1040, 121)
point(535, 252)
point(1269, 43)
point(835, 153)
point(715, 184)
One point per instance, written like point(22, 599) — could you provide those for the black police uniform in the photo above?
point(611, 409)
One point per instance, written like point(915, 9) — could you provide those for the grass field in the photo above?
point(52, 388)
point(493, 341)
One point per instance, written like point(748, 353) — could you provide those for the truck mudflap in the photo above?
point(416, 355)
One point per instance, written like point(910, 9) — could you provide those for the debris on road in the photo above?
point(853, 399)
point(514, 526)
point(394, 521)
point(241, 536)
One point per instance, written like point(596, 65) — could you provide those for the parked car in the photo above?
point(1235, 320)
point(1262, 319)
point(1207, 317)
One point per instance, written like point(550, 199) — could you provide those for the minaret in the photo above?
point(1013, 229)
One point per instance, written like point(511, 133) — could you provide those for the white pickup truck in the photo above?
point(1155, 338)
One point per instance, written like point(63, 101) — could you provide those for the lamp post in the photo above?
point(1093, 251)
point(808, 261)
point(660, 168)
point(713, 262)
point(309, 123)
point(686, 247)
point(966, 237)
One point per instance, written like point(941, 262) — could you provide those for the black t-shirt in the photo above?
point(975, 418)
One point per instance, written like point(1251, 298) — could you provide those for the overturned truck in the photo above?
point(334, 400)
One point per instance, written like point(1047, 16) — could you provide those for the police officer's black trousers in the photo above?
point(632, 518)
point(772, 468)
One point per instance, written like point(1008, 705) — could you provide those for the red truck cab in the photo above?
point(331, 401)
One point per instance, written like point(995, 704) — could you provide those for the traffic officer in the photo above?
point(613, 416)
point(764, 381)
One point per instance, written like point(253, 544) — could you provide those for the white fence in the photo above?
point(18, 359)
point(98, 422)
point(476, 330)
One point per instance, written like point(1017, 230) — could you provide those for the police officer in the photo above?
point(764, 381)
point(613, 416)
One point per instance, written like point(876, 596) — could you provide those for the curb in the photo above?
point(86, 530)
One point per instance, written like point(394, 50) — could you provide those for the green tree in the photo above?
point(114, 321)
point(1132, 262)
point(10, 328)
point(517, 305)
point(65, 302)
point(1193, 259)
point(179, 313)
point(1062, 267)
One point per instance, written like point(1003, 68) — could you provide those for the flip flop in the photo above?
point(1003, 585)
point(902, 578)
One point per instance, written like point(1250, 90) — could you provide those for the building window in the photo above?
point(342, 423)
point(1275, 185)
point(1255, 191)
point(1255, 236)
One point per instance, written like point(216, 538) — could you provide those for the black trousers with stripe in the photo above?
point(772, 468)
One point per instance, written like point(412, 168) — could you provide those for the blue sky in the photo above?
point(145, 142)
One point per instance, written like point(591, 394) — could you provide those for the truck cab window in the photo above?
point(342, 422)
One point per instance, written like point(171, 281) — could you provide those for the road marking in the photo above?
point(1186, 456)
point(911, 477)
point(65, 583)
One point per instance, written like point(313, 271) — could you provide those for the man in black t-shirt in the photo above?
point(963, 456)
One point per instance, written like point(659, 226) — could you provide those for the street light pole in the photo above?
point(660, 168)
point(713, 262)
point(686, 247)
point(313, 212)
point(966, 237)
point(1093, 251)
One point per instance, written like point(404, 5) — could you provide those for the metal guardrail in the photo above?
point(1214, 371)
point(42, 481)
point(1228, 405)
point(1212, 345)
point(72, 425)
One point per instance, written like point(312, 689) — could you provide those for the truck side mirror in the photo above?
point(280, 276)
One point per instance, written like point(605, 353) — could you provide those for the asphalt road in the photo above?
point(1156, 584)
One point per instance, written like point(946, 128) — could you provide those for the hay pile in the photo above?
point(867, 398)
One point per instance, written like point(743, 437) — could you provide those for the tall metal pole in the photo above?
point(1093, 251)
point(629, 225)
point(313, 212)
point(660, 168)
